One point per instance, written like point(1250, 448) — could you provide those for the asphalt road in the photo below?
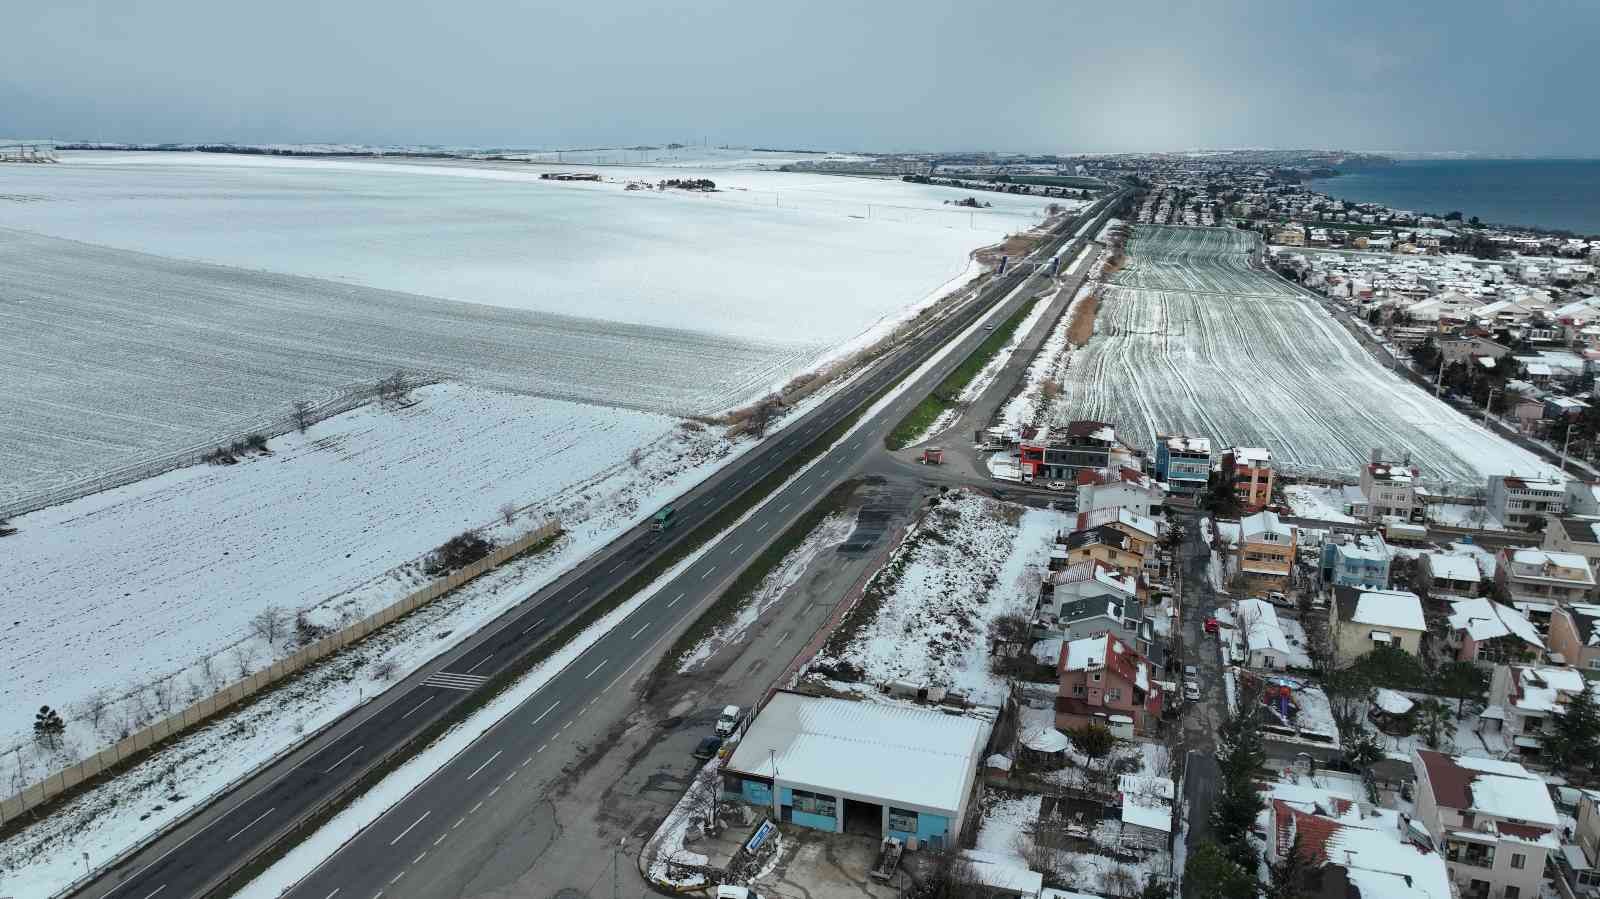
point(199, 856)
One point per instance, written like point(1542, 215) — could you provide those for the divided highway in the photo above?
point(199, 857)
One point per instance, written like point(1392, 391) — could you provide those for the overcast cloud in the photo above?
point(881, 75)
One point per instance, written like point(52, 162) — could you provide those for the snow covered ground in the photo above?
point(1318, 502)
point(130, 587)
point(925, 617)
point(1463, 515)
point(331, 272)
point(1191, 340)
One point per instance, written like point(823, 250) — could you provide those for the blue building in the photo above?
point(1356, 560)
point(1184, 463)
point(859, 767)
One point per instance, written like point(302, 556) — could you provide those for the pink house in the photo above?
point(1105, 681)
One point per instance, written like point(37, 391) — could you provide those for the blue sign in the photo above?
point(760, 836)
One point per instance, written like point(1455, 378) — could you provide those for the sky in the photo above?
point(1029, 75)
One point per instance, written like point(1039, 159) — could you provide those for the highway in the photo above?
point(202, 856)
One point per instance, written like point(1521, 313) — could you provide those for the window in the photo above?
point(1114, 694)
point(1512, 892)
point(1096, 677)
point(1594, 663)
point(1518, 861)
point(1077, 689)
point(814, 803)
point(902, 820)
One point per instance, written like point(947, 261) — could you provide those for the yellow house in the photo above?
point(1266, 550)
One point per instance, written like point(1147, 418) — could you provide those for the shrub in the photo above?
point(458, 552)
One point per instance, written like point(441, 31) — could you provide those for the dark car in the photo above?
point(708, 747)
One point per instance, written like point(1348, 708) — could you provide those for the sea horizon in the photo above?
point(1549, 193)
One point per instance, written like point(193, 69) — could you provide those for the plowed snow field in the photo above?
point(1191, 340)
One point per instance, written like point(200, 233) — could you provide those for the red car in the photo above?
point(1211, 625)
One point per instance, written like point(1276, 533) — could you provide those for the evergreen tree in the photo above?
point(1240, 756)
point(1575, 744)
point(48, 727)
point(1295, 876)
point(1210, 874)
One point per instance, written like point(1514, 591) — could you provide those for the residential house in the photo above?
point(1390, 489)
point(1470, 348)
point(1184, 464)
point(1147, 811)
point(1452, 575)
point(1572, 534)
point(1361, 620)
point(1356, 560)
point(1107, 546)
point(1083, 581)
point(1575, 634)
point(1266, 645)
point(1125, 488)
point(1266, 550)
point(1253, 476)
point(1484, 631)
point(1579, 862)
point(1524, 698)
point(1357, 851)
point(1583, 497)
point(1105, 681)
point(1492, 819)
point(1096, 616)
point(1518, 502)
point(1058, 454)
point(1539, 580)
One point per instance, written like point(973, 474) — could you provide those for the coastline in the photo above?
point(1556, 197)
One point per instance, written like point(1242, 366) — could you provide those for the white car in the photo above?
point(1056, 485)
point(729, 720)
point(1191, 691)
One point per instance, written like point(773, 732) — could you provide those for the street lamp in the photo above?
point(777, 809)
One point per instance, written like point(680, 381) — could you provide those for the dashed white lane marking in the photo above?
point(547, 712)
point(708, 572)
point(485, 764)
point(396, 879)
point(248, 826)
point(533, 625)
point(642, 629)
point(459, 821)
point(736, 547)
point(334, 893)
point(540, 749)
point(346, 758)
point(475, 808)
point(415, 707)
point(411, 828)
point(419, 856)
point(674, 600)
point(596, 669)
point(479, 665)
point(495, 790)
point(440, 840)
point(159, 889)
point(762, 526)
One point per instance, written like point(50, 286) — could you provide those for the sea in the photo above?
point(1561, 194)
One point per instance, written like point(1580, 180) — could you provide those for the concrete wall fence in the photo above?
point(71, 776)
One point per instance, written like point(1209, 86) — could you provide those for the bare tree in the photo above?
point(244, 659)
point(302, 414)
point(395, 387)
point(269, 624)
point(385, 669)
point(162, 693)
point(209, 673)
point(94, 708)
point(508, 512)
point(767, 411)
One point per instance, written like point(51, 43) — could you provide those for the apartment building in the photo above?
point(1390, 489)
point(1492, 820)
point(1539, 580)
point(1517, 501)
point(1184, 464)
point(1105, 681)
point(1266, 550)
point(1577, 535)
point(1253, 476)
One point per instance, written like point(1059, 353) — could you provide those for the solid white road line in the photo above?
point(642, 629)
point(252, 823)
point(415, 707)
point(547, 711)
point(485, 764)
point(480, 663)
point(411, 828)
point(329, 769)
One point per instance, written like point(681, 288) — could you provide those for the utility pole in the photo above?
point(1566, 445)
point(1488, 404)
point(1439, 388)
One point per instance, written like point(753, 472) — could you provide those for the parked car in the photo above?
point(1191, 691)
point(707, 748)
point(729, 720)
point(1056, 485)
point(1190, 672)
point(1211, 625)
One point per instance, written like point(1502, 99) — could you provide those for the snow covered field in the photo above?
point(129, 586)
point(329, 272)
point(1320, 503)
point(1190, 340)
point(925, 617)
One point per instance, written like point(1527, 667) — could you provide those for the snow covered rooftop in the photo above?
point(1181, 444)
point(1390, 608)
point(1392, 702)
point(1485, 619)
point(1090, 652)
point(1453, 567)
point(1006, 873)
point(1264, 526)
point(1251, 455)
point(1261, 627)
point(889, 752)
point(1501, 789)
